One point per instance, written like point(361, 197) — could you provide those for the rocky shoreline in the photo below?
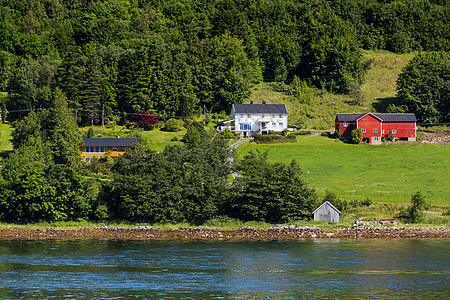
point(204, 233)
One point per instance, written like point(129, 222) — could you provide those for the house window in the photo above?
point(86, 149)
point(262, 116)
point(281, 115)
point(375, 130)
point(394, 131)
point(280, 124)
point(273, 116)
point(363, 130)
point(345, 124)
point(102, 149)
point(274, 124)
point(114, 149)
point(126, 148)
point(92, 149)
point(248, 116)
point(97, 149)
point(245, 126)
point(242, 116)
point(376, 138)
point(382, 131)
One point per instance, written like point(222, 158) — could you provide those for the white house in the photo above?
point(259, 118)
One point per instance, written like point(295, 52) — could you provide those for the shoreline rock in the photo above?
point(204, 233)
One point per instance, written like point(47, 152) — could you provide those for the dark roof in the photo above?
point(260, 108)
point(409, 117)
point(109, 141)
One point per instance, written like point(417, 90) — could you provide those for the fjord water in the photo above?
point(176, 269)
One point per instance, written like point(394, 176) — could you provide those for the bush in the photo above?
point(90, 133)
point(173, 125)
point(418, 204)
point(273, 138)
point(325, 133)
point(174, 139)
point(357, 136)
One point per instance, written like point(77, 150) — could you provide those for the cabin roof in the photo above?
point(260, 108)
point(109, 141)
point(329, 204)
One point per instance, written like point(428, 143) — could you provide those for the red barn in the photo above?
point(377, 126)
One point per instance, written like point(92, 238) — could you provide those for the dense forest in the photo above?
point(174, 57)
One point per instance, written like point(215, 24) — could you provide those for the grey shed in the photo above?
point(327, 212)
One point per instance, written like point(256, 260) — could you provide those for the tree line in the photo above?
point(175, 56)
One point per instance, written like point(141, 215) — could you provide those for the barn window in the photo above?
point(363, 130)
point(375, 130)
point(345, 124)
point(394, 131)
point(382, 130)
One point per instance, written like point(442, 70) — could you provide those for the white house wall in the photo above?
point(253, 122)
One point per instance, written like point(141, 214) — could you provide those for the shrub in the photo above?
point(90, 133)
point(325, 133)
point(357, 136)
point(273, 138)
point(418, 204)
point(173, 125)
point(174, 139)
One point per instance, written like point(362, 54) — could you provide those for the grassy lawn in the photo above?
point(160, 139)
point(385, 173)
point(5, 136)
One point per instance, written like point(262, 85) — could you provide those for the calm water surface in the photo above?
point(336, 269)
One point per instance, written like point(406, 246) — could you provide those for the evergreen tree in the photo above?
point(64, 137)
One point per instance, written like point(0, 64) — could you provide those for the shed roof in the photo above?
point(260, 108)
point(109, 141)
point(329, 204)
point(408, 117)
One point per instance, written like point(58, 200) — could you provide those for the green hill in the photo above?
point(316, 109)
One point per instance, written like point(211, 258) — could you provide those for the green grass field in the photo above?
point(5, 136)
point(388, 173)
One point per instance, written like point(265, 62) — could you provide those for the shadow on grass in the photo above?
point(381, 104)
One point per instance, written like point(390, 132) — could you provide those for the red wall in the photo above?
point(369, 123)
point(404, 130)
point(345, 131)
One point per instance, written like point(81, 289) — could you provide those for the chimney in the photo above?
point(264, 102)
point(99, 135)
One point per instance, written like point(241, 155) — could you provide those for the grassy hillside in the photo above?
point(317, 108)
point(385, 173)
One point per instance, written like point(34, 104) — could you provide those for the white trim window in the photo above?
point(345, 124)
point(114, 149)
point(375, 130)
point(363, 130)
point(394, 131)
point(274, 124)
point(280, 124)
